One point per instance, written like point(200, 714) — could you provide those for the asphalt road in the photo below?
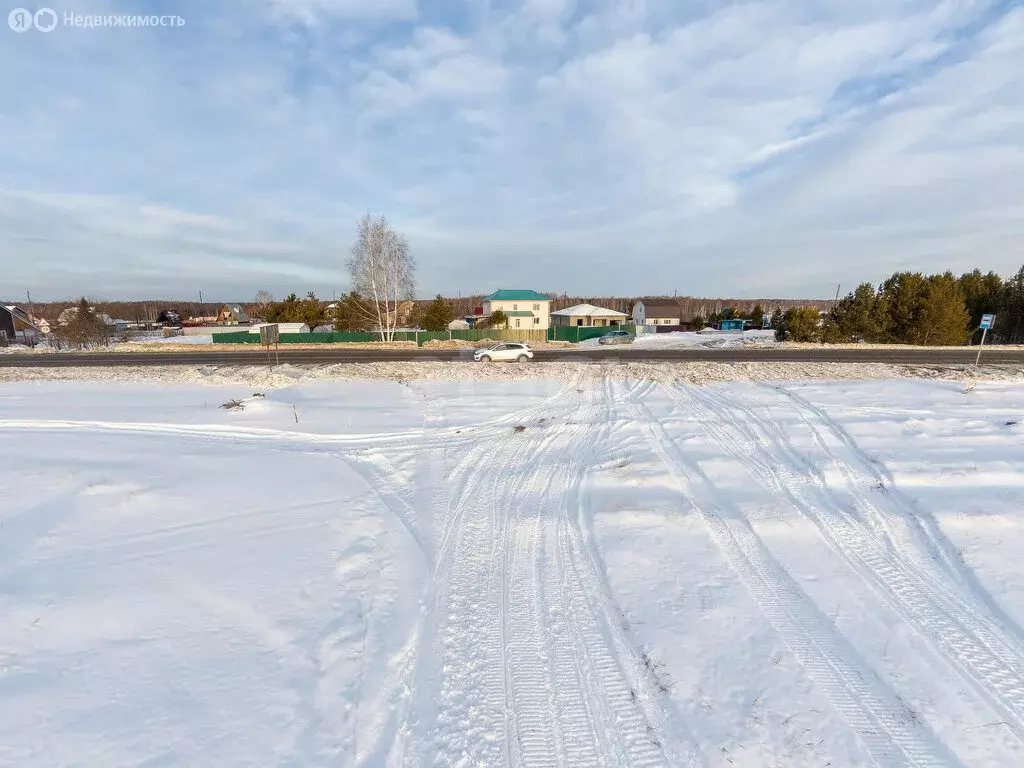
point(910, 356)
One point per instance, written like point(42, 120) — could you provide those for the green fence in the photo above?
point(238, 337)
point(577, 333)
point(562, 333)
point(245, 337)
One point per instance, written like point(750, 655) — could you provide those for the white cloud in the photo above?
point(314, 11)
point(765, 145)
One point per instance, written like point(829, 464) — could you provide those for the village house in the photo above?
point(657, 312)
point(587, 315)
point(524, 309)
point(232, 314)
point(68, 315)
point(16, 327)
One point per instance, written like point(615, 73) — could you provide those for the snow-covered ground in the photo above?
point(155, 339)
point(585, 572)
point(708, 338)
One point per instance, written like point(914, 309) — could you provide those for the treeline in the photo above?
point(356, 313)
point(309, 310)
point(913, 308)
point(691, 307)
point(131, 311)
point(149, 310)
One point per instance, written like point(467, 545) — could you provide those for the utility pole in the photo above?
point(202, 310)
point(837, 290)
point(32, 317)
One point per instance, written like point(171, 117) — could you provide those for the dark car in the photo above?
point(617, 337)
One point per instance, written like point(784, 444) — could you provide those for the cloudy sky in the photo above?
point(715, 147)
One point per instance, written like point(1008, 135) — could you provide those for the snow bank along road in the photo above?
point(993, 355)
point(590, 572)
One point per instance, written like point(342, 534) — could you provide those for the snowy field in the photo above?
point(586, 572)
point(708, 338)
point(154, 339)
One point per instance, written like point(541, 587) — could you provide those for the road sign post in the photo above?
point(987, 321)
point(271, 334)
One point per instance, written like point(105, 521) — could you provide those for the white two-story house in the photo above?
point(525, 310)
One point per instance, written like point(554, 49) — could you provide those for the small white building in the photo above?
point(587, 315)
point(282, 327)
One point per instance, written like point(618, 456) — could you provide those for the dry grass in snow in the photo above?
point(664, 372)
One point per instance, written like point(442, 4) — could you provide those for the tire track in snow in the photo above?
point(463, 635)
point(989, 659)
point(400, 735)
point(849, 683)
point(600, 721)
point(663, 726)
point(864, 472)
point(610, 673)
point(549, 689)
point(377, 470)
point(537, 691)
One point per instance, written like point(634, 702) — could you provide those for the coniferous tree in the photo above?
point(800, 324)
point(353, 313)
point(312, 311)
point(779, 324)
point(943, 319)
point(438, 315)
point(856, 317)
point(1010, 320)
point(983, 294)
point(757, 316)
point(901, 299)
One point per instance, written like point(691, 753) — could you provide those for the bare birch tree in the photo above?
point(382, 271)
point(263, 300)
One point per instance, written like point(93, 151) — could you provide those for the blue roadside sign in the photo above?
point(987, 321)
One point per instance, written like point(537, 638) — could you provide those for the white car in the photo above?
point(505, 351)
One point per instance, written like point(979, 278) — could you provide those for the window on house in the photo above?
point(536, 307)
point(515, 307)
point(536, 321)
point(517, 322)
